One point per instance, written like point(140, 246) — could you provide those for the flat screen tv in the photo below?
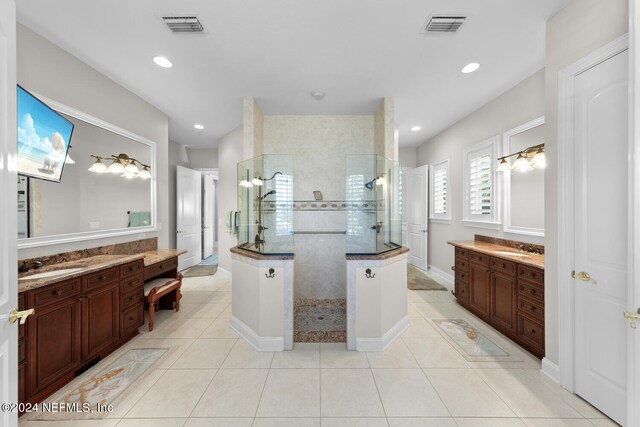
point(43, 138)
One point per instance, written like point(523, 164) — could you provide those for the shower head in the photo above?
point(369, 184)
point(269, 193)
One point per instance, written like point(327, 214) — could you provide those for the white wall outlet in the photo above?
point(94, 225)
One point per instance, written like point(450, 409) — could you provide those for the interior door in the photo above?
point(600, 247)
point(417, 220)
point(8, 214)
point(208, 214)
point(188, 222)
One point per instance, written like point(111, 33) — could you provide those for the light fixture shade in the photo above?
point(503, 166)
point(144, 173)
point(131, 168)
point(98, 167)
point(116, 167)
point(128, 175)
point(257, 181)
point(539, 160)
point(521, 164)
point(380, 180)
point(246, 184)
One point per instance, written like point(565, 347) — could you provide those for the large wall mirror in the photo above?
point(87, 205)
point(524, 191)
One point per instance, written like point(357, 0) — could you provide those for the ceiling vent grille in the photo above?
point(444, 24)
point(183, 24)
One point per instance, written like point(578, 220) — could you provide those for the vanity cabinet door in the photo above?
point(503, 292)
point(479, 288)
point(100, 320)
point(54, 350)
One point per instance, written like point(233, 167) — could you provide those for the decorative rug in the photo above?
point(320, 320)
point(417, 280)
point(470, 343)
point(100, 386)
point(200, 270)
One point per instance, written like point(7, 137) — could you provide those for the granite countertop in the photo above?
point(526, 258)
point(85, 265)
point(256, 255)
point(379, 257)
point(152, 257)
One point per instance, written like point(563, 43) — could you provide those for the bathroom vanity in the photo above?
point(503, 286)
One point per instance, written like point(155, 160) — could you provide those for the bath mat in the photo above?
point(320, 320)
point(470, 343)
point(417, 280)
point(200, 270)
point(101, 386)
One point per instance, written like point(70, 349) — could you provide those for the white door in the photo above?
point(417, 221)
point(208, 214)
point(188, 223)
point(8, 214)
point(600, 247)
point(404, 190)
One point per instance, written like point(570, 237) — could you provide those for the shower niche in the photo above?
point(265, 204)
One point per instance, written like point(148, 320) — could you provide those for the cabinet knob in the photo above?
point(532, 331)
point(532, 291)
point(57, 292)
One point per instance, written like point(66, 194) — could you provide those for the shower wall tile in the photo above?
point(320, 266)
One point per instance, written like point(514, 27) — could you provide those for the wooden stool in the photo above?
point(156, 289)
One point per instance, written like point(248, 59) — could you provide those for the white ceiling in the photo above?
point(279, 50)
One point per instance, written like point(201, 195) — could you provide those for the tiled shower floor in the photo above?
point(320, 320)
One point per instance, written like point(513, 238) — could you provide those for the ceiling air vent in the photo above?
point(444, 24)
point(183, 24)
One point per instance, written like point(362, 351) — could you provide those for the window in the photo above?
point(480, 186)
point(440, 210)
point(284, 199)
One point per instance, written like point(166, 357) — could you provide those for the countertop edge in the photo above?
point(255, 255)
point(491, 248)
point(378, 257)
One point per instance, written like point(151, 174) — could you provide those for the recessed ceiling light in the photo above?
point(470, 68)
point(415, 128)
point(162, 61)
point(318, 94)
point(198, 126)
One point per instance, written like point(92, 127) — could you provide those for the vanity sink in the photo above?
point(509, 253)
point(51, 273)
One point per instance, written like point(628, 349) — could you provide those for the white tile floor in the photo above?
point(210, 377)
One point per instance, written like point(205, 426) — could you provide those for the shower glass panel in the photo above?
point(374, 223)
point(265, 204)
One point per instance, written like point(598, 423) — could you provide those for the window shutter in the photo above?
point(284, 196)
point(480, 185)
point(440, 191)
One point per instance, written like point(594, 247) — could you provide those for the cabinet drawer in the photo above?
point(132, 268)
point(530, 331)
point(160, 267)
point(22, 382)
point(132, 298)
point(534, 274)
point(54, 293)
point(131, 320)
point(462, 264)
point(100, 278)
point(461, 291)
point(462, 275)
point(130, 284)
point(479, 258)
point(22, 351)
point(462, 253)
point(531, 289)
point(503, 266)
point(531, 307)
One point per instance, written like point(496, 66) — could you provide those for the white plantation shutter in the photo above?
point(284, 197)
point(439, 192)
point(480, 184)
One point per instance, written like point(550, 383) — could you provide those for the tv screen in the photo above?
point(43, 138)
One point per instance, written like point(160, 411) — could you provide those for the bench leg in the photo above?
point(152, 312)
point(178, 296)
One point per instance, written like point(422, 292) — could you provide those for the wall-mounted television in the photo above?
point(43, 138)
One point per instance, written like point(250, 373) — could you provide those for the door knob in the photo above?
point(584, 276)
point(632, 318)
point(15, 315)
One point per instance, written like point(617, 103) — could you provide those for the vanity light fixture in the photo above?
point(415, 128)
point(530, 158)
point(198, 126)
point(162, 61)
point(246, 184)
point(121, 164)
point(257, 181)
point(470, 68)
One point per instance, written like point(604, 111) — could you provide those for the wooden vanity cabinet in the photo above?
point(507, 295)
point(76, 322)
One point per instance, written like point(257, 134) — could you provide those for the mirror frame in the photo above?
point(99, 234)
point(506, 181)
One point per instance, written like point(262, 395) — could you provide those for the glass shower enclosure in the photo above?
point(265, 204)
point(374, 215)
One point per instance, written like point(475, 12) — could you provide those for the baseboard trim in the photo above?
point(381, 344)
point(223, 272)
point(256, 341)
point(551, 370)
point(438, 272)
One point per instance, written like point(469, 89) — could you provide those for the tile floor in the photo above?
point(211, 378)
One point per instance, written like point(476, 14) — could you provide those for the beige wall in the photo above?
point(230, 152)
point(202, 158)
point(522, 103)
point(408, 157)
point(46, 69)
point(579, 29)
